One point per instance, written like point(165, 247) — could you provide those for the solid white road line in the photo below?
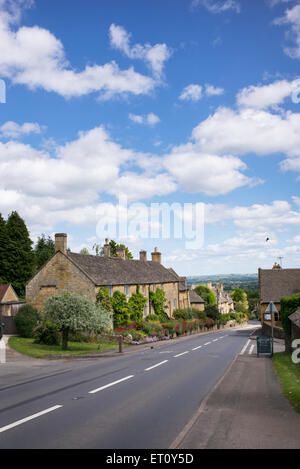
point(111, 384)
point(251, 349)
point(31, 417)
point(207, 343)
point(179, 354)
point(197, 347)
point(154, 366)
point(244, 348)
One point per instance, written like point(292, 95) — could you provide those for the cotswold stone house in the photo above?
point(274, 284)
point(224, 302)
point(84, 274)
point(196, 301)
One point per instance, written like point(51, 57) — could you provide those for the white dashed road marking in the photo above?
point(251, 349)
point(110, 384)
point(154, 366)
point(207, 343)
point(31, 417)
point(179, 354)
point(197, 347)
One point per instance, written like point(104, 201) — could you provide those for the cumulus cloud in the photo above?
point(13, 130)
point(34, 57)
point(154, 56)
point(265, 96)
point(211, 90)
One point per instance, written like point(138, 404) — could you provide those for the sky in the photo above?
point(111, 108)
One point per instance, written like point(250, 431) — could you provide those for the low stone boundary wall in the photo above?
point(278, 332)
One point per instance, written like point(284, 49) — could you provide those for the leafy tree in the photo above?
point(212, 312)
point(44, 249)
point(19, 265)
point(206, 294)
point(288, 305)
point(240, 300)
point(73, 313)
point(136, 305)
point(158, 301)
point(84, 251)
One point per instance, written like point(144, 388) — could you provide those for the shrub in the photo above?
point(158, 301)
point(47, 333)
point(183, 314)
point(212, 311)
point(288, 305)
point(103, 299)
point(152, 317)
point(120, 308)
point(26, 320)
point(136, 305)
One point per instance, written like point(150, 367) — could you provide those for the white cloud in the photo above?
point(191, 93)
point(140, 186)
point(249, 130)
point(211, 174)
point(11, 129)
point(34, 57)
point(211, 90)
point(220, 6)
point(149, 119)
point(291, 18)
point(155, 56)
point(265, 96)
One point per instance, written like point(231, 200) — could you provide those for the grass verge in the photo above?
point(289, 377)
point(27, 347)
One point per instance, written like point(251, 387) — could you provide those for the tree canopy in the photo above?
point(206, 294)
point(44, 249)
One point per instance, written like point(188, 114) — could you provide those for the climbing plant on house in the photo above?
point(158, 301)
point(136, 305)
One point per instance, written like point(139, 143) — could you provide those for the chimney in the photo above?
point(221, 287)
point(121, 253)
point(143, 255)
point(61, 242)
point(106, 248)
point(156, 256)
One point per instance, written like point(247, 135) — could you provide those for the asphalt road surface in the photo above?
point(142, 400)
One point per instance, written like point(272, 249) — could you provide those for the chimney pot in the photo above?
point(106, 248)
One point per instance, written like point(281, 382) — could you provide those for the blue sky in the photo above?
point(162, 102)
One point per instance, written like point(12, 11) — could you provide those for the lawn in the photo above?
point(27, 347)
point(289, 377)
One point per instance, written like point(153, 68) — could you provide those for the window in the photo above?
point(154, 287)
point(144, 289)
point(174, 303)
point(109, 290)
point(127, 290)
point(145, 311)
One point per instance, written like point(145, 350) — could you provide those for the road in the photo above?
point(141, 400)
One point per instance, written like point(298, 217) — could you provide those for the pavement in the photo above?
point(246, 409)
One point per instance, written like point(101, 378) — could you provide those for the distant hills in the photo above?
point(230, 281)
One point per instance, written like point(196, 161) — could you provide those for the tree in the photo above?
point(206, 294)
point(19, 255)
point(3, 249)
point(240, 300)
point(75, 313)
point(84, 251)
point(44, 249)
point(120, 308)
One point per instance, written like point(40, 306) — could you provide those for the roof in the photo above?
point(116, 271)
point(222, 295)
point(295, 317)
point(3, 290)
point(182, 280)
point(276, 283)
point(194, 298)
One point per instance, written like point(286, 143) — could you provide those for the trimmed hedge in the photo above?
point(26, 319)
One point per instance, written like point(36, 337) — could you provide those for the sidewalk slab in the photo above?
point(246, 410)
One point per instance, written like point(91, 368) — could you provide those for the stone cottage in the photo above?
point(224, 302)
point(9, 300)
point(274, 284)
point(84, 274)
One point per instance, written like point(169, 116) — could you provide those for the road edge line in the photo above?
point(190, 424)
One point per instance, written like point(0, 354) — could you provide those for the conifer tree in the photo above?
point(20, 259)
point(44, 249)
point(3, 248)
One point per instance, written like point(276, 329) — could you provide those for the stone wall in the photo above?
point(278, 331)
point(57, 276)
